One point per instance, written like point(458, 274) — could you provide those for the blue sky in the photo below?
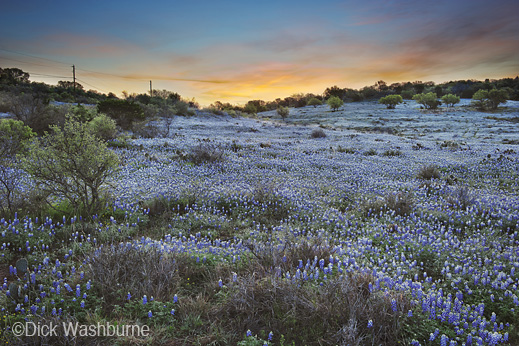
point(234, 51)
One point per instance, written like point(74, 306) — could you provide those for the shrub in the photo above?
point(206, 153)
point(14, 138)
point(484, 99)
point(250, 108)
point(71, 163)
point(335, 103)
point(334, 313)
point(314, 101)
point(122, 268)
point(450, 100)
point(407, 95)
point(181, 108)
point(391, 101)
point(33, 110)
point(82, 113)
point(149, 129)
point(496, 97)
point(370, 152)
point(318, 133)
point(429, 100)
point(401, 203)
point(392, 152)
point(103, 127)
point(283, 112)
point(123, 112)
point(461, 198)
point(428, 173)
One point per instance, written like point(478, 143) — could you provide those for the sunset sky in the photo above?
point(234, 51)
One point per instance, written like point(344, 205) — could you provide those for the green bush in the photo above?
point(124, 113)
point(103, 127)
point(450, 99)
point(429, 100)
point(250, 109)
point(314, 101)
point(72, 163)
point(335, 103)
point(14, 138)
point(407, 94)
point(484, 99)
point(82, 113)
point(283, 112)
point(391, 101)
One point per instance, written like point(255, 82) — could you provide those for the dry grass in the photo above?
point(428, 173)
point(401, 203)
point(335, 313)
point(120, 269)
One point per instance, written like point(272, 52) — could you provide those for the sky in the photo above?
point(235, 51)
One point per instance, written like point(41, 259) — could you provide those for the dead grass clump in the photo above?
point(461, 198)
point(429, 172)
point(272, 208)
point(206, 153)
point(335, 313)
point(401, 203)
point(270, 258)
point(122, 268)
point(318, 133)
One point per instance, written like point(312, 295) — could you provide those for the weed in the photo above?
point(318, 133)
point(429, 172)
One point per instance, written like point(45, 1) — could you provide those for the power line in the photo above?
point(33, 56)
point(47, 75)
point(90, 85)
point(28, 63)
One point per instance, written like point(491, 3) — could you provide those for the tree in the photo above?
point(250, 108)
point(334, 91)
point(283, 112)
point(314, 101)
point(123, 112)
point(391, 101)
point(69, 85)
point(33, 110)
point(103, 127)
point(72, 163)
point(407, 94)
point(450, 100)
point(335, 103)
point(13, 76)
point(14, 138)
point(429, 100)
point(497, 96)
point(484, 99)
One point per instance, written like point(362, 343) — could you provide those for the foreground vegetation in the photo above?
point(224, 231)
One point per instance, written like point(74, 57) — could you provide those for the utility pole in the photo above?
point(74, 77)
point(151, 90)
point(74, 81)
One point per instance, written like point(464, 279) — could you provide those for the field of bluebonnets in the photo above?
point(365, 226)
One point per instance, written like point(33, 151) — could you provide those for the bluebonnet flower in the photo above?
point(370, 323)
point(393, 305)
point(444, 339)
point(144, 300)
point(128, 296)
point(150, 314)
point(249, 333)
